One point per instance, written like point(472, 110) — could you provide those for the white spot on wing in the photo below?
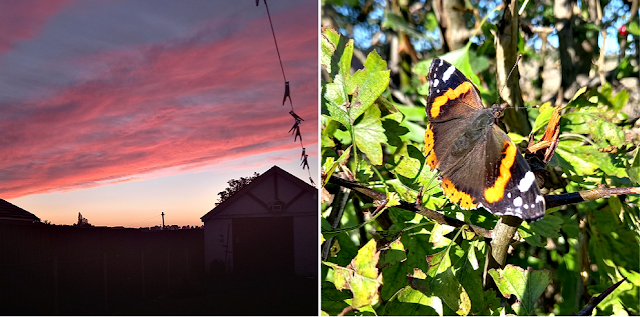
point(539, 198)
point(447, 74)
point(526, 182)
point(517, 202)
point(436, 82)
point(440, 63)
point(508, 195)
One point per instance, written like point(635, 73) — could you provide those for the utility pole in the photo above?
point(162, 220)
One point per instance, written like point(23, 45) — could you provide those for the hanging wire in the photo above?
point(274, 40)
point(296, 127)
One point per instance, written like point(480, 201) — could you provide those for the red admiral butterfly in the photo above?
point(478, 163)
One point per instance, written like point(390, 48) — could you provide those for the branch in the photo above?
point(594, 301)
point(586, 195)
point(550, 200)
point(339, 203)
point(414, 207)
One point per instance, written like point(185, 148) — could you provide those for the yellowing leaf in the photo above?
point(360, 276)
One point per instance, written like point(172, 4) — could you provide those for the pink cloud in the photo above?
point(22, 20)
point(162, 105)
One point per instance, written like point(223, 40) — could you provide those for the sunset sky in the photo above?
point(122, 110)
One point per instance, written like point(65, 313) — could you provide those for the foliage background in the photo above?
point(576, 55)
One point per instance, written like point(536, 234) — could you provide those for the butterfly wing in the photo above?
point(510, 185)
point(479, 164)
point(451, 94)
point(452, 104)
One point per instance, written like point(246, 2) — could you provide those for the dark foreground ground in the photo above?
point(237, 296)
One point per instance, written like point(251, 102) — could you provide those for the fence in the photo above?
point(67, 270)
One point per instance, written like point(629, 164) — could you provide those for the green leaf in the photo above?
point(330, 165)
point(633, 170)
point(413, 166)
point(620, 100)
point(438, 235)
point(405, 192)
point(417, 247)
point(370, 134)
point(393, 255)
point(326, 141)
point(343, 249)
point(332, 300)
point(367, 84)
point(412, 113)
point(393, 199)
point(633, 28)
point(344, 66)
point(579, 165)
point(445, 285)
point(473, 260)
point(625, 68)
point(578, 93)
point(438, 262)
point(394, 278)
point(549, 226)
point(361, 276)
point(526, 285)
point(336, 93)
point(470, 278)
point(546, 110)
point(337, 103)
point(364, 172)
point(430, 21)
point(610, 132)
point(409, 302)
point(531, 238)
point(393, 131)
point(517, 138)
point(328, 45)
point(492, 304)
point(416, 131)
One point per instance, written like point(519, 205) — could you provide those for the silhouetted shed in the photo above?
point(269, 226)
point(10, 213)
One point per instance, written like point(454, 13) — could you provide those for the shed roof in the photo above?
point(274, 170)
point(9, 211)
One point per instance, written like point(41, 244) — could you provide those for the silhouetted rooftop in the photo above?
point(273, 170)
point(9, 211)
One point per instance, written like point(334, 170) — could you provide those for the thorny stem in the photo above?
point(551, 201)
point(417, 208)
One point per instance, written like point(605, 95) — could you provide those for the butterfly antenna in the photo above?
point(508, 76)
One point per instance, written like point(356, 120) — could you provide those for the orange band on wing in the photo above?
point(450, 94)
point(455, 195)
point(429, 153)
point(496, 192)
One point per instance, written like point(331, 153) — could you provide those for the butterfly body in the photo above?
point(478, 163)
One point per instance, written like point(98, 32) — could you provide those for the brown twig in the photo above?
point(586, 195)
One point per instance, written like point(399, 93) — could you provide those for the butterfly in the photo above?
point(479, 165)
